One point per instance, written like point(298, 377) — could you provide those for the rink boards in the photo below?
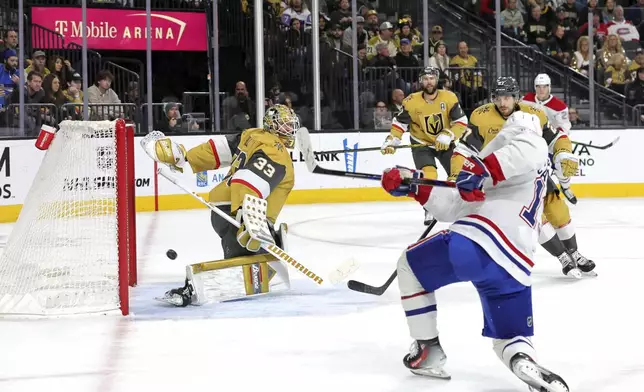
point(602, 173)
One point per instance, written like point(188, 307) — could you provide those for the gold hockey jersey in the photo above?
point(486, 121)
point(261, 166)
point(425, 120)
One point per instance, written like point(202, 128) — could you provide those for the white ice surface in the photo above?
point(315, 339)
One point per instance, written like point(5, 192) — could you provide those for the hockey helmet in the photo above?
point(431, 71)
point(504, 86)
point(542, 80)
point(283, 122)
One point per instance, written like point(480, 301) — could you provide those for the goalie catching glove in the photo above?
point(163, 150)
point(393, 181)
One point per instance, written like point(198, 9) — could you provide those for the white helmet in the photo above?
point(526, 121)
point(542, 80)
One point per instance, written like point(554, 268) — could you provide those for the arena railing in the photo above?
point(36, 114)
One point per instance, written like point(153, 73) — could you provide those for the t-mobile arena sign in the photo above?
point(124, 29)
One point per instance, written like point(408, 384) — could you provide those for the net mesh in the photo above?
point(62, 254)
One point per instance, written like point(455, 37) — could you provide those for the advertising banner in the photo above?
point(121, 29)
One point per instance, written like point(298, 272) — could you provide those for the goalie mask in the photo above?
point(283, 122)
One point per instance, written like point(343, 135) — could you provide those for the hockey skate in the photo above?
point(585, 266)
point(181, 296)
point(427, 358)
point(568, 266)
point(538, 378)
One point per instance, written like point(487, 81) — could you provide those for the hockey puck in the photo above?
point(171, 254)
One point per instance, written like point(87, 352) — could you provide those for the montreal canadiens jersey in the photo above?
point(260, 165)
point(555, 109)
point(506, 224)
point(425, 120)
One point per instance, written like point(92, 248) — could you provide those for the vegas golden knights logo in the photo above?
point(433, 124)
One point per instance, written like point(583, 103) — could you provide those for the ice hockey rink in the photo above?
point(333, 339)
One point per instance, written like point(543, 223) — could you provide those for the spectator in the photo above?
point(470, 81)
point(101, 93)
point(581, 58)
point(38, 64)
point(570, 30)
point(405, 32)
point(362, 34)
point(617, 74)
point(599, 29)
point(382, 117)
point(9, 75)
point(634, 91)
point(536, 28)
point(512, 20)
point(53, 96)
point(405, 57)
point(622, 28)
point(413, 30)
point(608, 14)
point(10, 42)
point(637, 63)
point(172, 121)
point(33, 95)
point(385, 37)
point(297, 10)
point(635, 13)
point(397, 97)
point(342, 16)
point(334, 40)
point(547, 12)
point(612, 46)
point(61, 68)
point(74, 92)
point(239, 106)
point(294, 39)
point(575, 121)
point(559, 47)
point(487, 10)
point(583, 14)
point(571, 14)
point(372, 25)
point(441, 60)
point(53, 93)
point(323, 22)
point(434, 39)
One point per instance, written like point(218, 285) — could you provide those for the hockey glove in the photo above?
point(392, 181)
point(566, 164)
point(469, 180)
point(243, 236)
point(388, 147)
point(443, 140)
point(163, 150)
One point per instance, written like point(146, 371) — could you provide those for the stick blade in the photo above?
point(303, 141)
point(342, 271)
point(364, 288)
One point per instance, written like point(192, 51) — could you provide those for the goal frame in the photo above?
point(125, 211)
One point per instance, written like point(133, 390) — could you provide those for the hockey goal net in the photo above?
point(73, 247)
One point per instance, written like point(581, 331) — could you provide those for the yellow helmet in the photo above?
point(283, 122)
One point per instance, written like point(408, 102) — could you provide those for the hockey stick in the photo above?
point(335, 277)
point(599, 147)
point(370, 149)
point(380, 290)
point(304, 145)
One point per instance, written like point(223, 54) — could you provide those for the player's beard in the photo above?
point(430, 90)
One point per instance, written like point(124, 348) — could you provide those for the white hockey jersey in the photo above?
point(555, 108)
point(506, 224)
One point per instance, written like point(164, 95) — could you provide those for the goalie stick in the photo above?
point(380, 290)
point(304, 145)
point(336, 276)
point(599, 147)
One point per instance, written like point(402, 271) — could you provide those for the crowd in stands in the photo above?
point(559, 28)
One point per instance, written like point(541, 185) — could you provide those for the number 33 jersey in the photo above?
point(260, 165)
point(425, 120)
